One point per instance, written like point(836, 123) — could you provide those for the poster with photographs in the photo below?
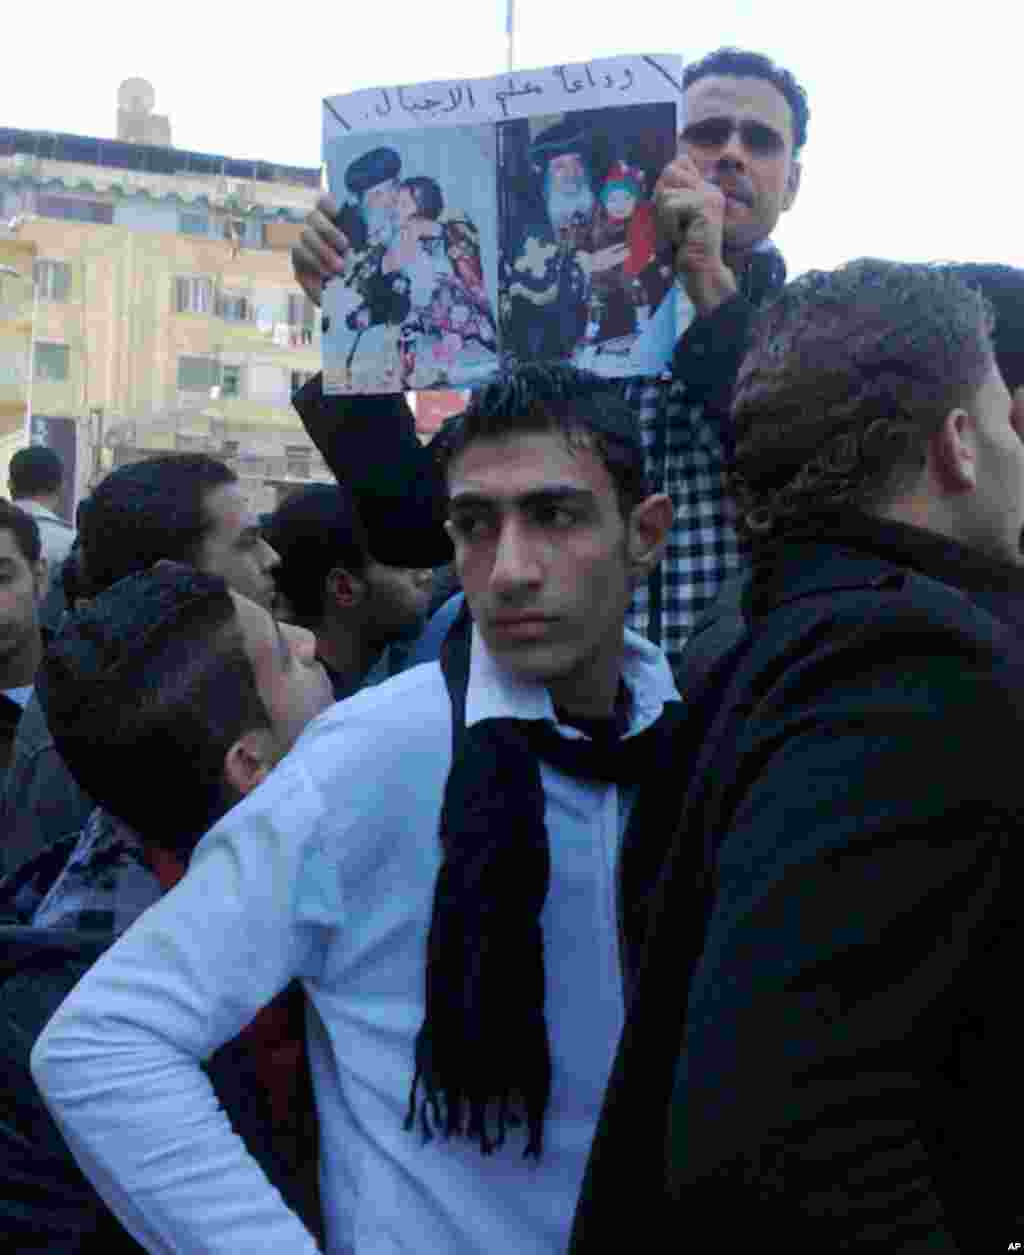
point(497, 221)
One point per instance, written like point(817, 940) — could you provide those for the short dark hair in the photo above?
point(737, 63)
point(314, 532)
point(848, 375)
point(35, 471)
point(145, 689)
point(24, 529)
point(1003, 288)
point(147, 511)
point(584, 408)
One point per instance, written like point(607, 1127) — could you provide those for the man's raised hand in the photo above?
point(320, 253)
point(690, 213)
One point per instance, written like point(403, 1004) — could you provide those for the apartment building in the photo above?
point(147, 302)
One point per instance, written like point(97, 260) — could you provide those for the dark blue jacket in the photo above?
point(823, 1043)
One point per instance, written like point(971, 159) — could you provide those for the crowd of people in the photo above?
point(596, 825)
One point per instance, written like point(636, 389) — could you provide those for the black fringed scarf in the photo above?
point(482, 1054)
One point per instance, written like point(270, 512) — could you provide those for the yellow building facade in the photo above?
point(17, 258)
point(158, 311)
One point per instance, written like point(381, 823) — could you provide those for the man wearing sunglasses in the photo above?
point(735, 174)
point(738, 169)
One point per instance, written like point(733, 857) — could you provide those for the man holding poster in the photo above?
point(738, 169)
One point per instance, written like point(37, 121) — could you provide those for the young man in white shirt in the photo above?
point(438, 861)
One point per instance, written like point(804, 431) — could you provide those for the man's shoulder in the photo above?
point(850, 587)
point(45, 516)
point(877, 631)
point(406, 715)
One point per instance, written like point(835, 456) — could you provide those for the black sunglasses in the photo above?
point(715, 132)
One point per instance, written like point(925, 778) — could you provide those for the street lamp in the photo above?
point(10, 270)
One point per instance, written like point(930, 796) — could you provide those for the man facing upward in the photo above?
point(170, 699)
point(744, 126)
point(823, 1035)
point(453, 917)
point(183, 507)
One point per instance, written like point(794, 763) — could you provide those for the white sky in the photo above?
point(916, 107)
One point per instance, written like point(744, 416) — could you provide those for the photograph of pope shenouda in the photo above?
point(582, 272)
point(415, 308)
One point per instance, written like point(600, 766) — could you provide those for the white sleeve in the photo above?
point(119, 1063)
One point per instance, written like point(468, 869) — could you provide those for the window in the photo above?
point(299, 378)
point(234, 307)
point(197, 374)
point(53, 279)
point(193, 295)
point(200, 374)
point(74, 209)
point(51, 362)
point(193, 224)
point(231, 381)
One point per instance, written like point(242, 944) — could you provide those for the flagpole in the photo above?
point(510, 31)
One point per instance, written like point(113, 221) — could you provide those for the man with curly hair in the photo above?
point(820, 1038)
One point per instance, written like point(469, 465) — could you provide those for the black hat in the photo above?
point(558, 140)
point(376, 166)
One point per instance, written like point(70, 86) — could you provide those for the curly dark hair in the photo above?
point(741, 64)
point(1003, 288)
point(848, 375)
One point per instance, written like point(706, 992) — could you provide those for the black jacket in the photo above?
point(46, 1204)
point(823, 1044)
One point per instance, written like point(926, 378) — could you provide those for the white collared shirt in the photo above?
point(326, 872)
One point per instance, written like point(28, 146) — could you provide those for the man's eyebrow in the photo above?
point(537, 496)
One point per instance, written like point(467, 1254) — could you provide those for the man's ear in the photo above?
point(344, 590)
point(648, 529)
point(952, 454)
point(249, 760)
point(792, 184)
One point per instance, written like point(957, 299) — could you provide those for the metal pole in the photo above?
point(510, 31)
